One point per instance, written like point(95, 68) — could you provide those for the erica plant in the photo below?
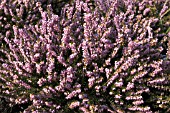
point(92, 56)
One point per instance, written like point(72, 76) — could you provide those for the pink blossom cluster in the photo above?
point(94, 57)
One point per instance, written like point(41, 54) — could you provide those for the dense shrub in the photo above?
point(86, 56)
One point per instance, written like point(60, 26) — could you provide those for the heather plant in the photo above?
point(91, 57)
